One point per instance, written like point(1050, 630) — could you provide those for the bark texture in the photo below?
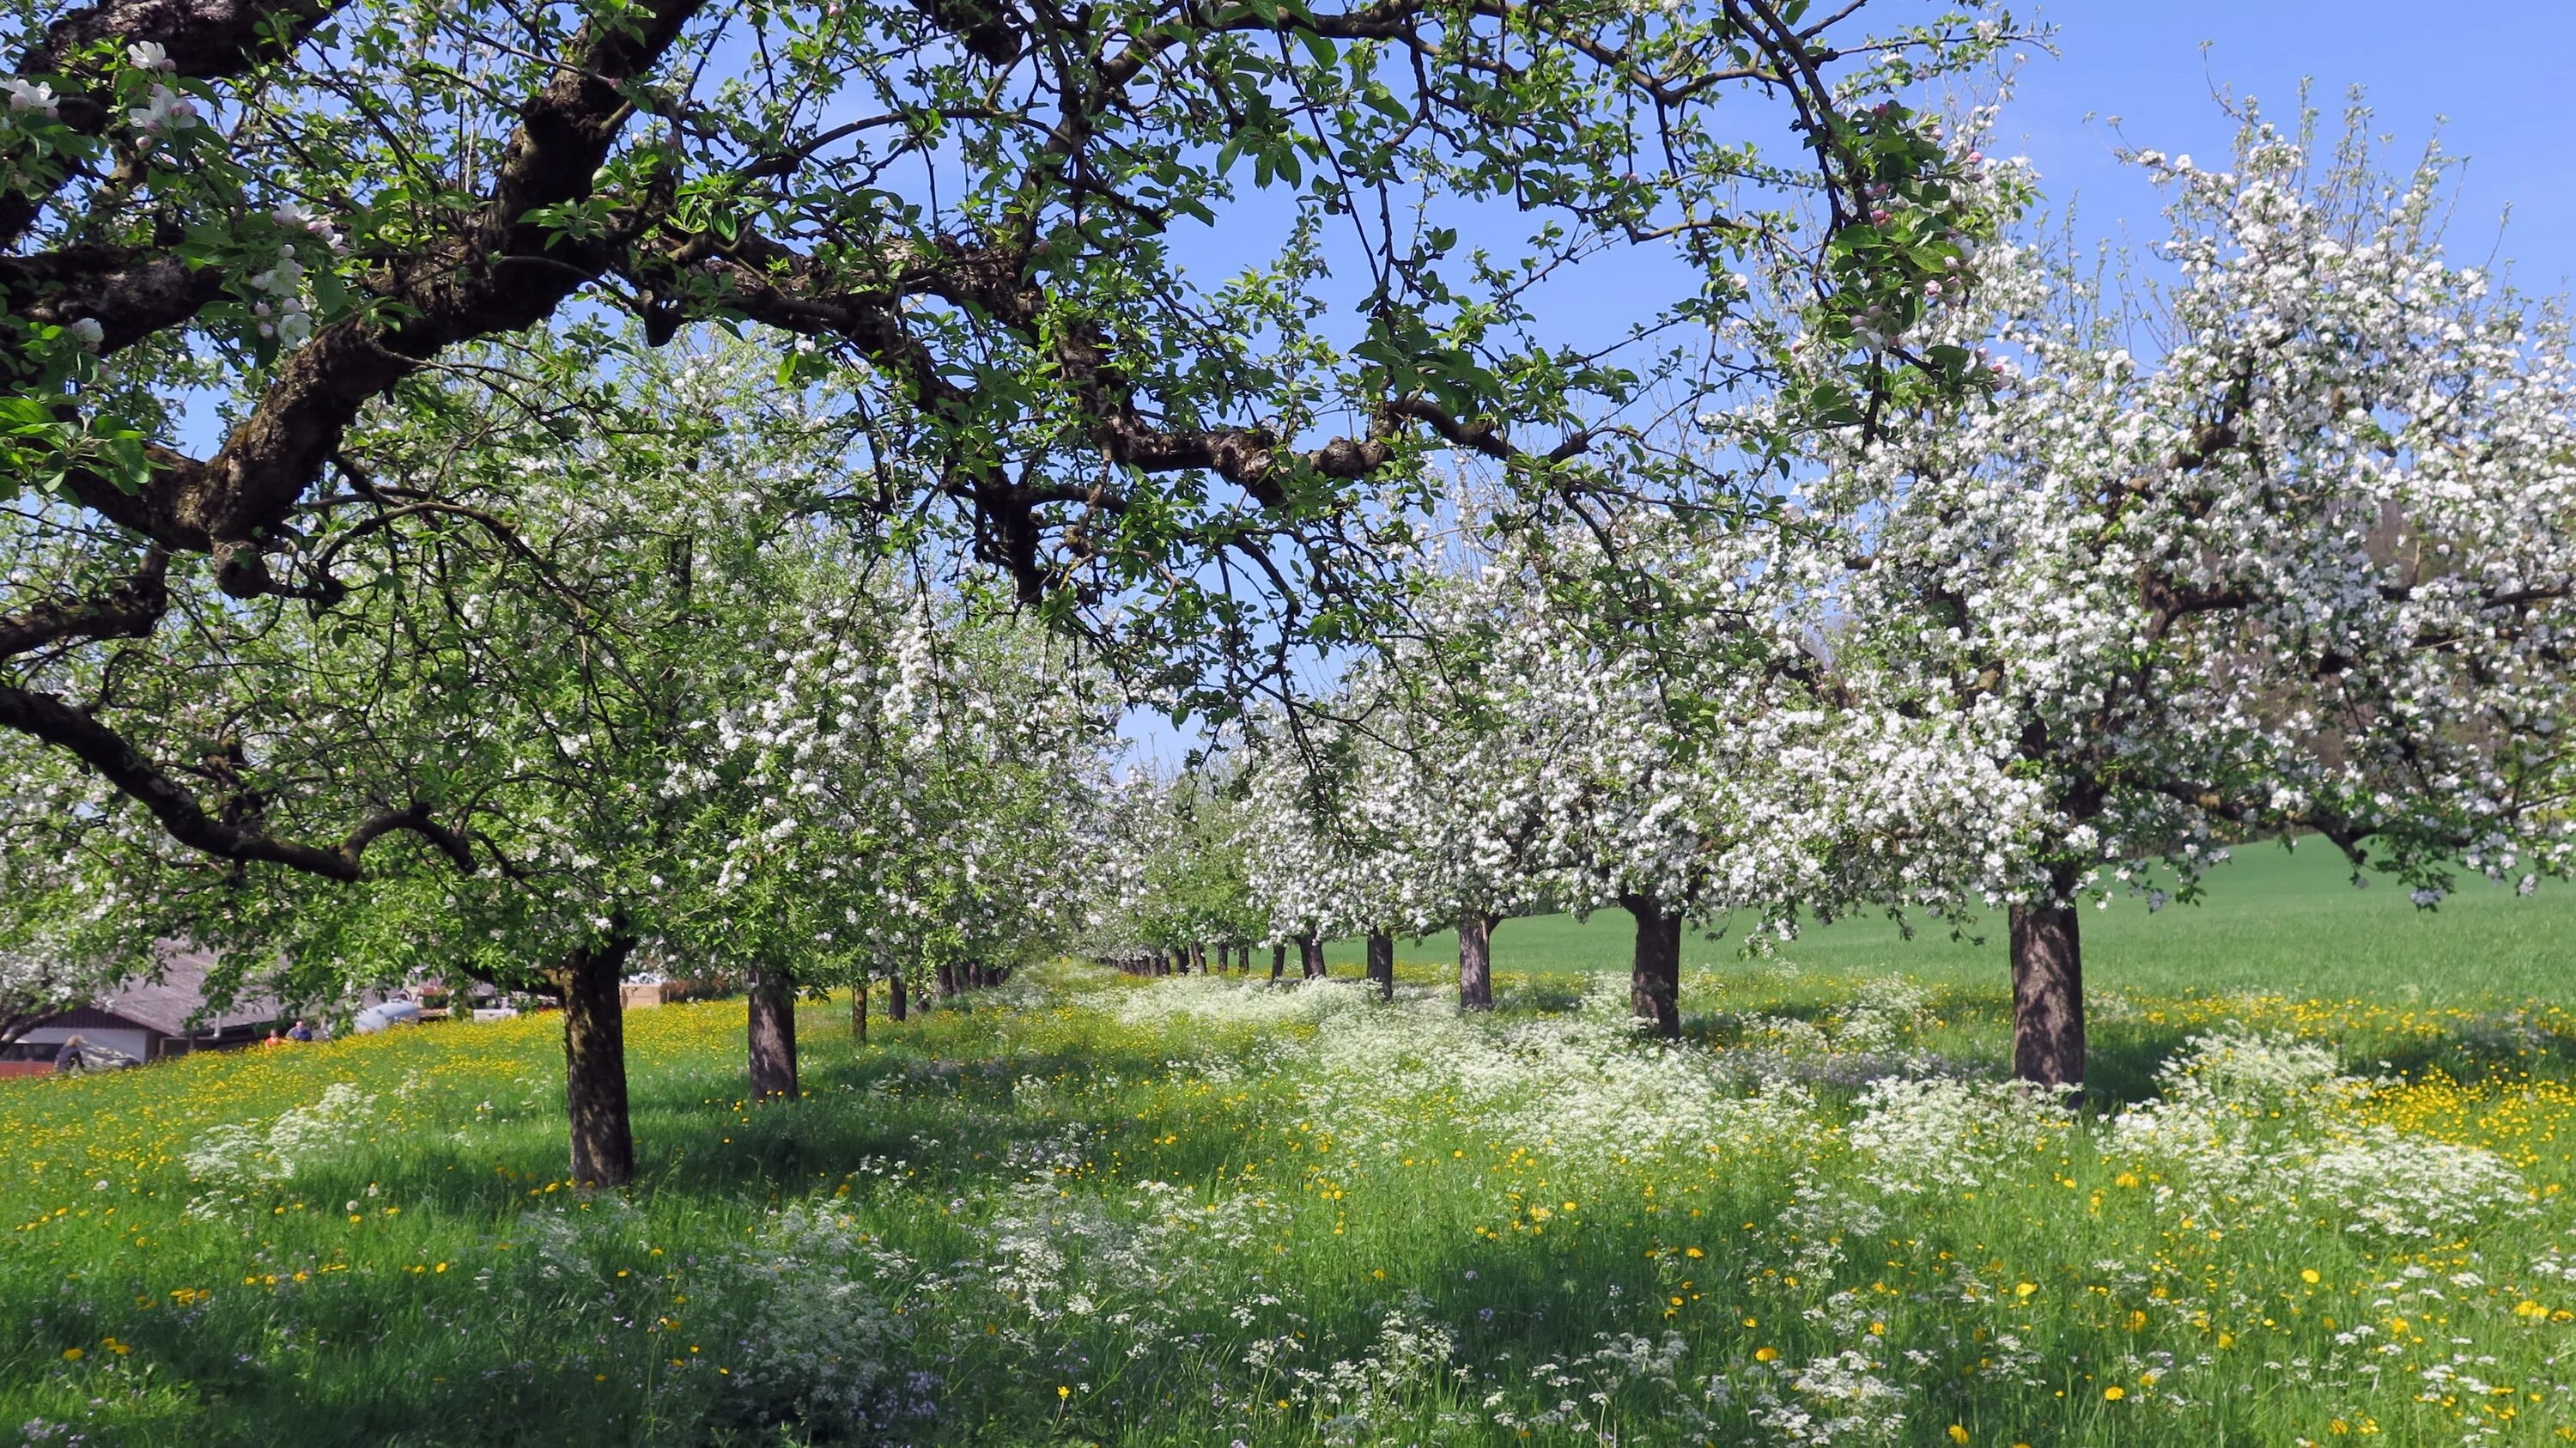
point(1655, 979)
point(896, 1005)
point(603, 1138)
point(1310, 955)
point(1381, 964)
point(1278, 960)
point(2048, 995)
point(859, 1011)
point(1476, 961)
point(772, 1036)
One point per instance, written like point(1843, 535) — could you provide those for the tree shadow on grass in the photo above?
point(2121, 1061)
point(953, 1120)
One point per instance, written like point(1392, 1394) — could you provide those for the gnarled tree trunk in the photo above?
point(859, 1011)
point(1310, 956)
point(1278, 960)
point(2048, 991)
point(896, 1005)
point(603, 1137)
point(1655, 979)
point(1475, 961)
point(772, 1035)
point(1381, 964)
point(1198, 957)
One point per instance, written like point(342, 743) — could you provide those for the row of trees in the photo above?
point(375, 598)
point(674, 716)
point(2271, 534)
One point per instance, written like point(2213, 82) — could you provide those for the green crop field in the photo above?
point(2272, 919)
point(2317, 1193)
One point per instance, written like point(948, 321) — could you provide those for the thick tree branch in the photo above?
point(128, 610)
point(47, 717)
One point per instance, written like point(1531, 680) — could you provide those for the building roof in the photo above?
point(172, 1004)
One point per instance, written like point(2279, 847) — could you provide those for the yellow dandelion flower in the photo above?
point(2115, 1392)
point(1958, 1434)
point(1765, 1354)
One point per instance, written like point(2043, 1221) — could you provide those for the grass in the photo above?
point(1086, 1209)
point(2273, 919)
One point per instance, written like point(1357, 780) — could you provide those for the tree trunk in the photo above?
point(603, 1138)
point(1198, 957)
point(1475, 961)
point(1381, 964)
point(859, 1010)
point(895, 1002)
point(772, 1035)
point(1310, 956)
point(2048, 993)
point(1278, 959)
point(1655, 980)
point(947, 980)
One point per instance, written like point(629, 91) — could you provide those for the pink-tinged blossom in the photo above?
point(26, 97)
point(165, 110)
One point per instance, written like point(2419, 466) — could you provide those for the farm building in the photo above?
point(149, 1020)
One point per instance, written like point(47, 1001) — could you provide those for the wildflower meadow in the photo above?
point(1089, 1208)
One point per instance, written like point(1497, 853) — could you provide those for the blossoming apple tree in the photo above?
point(2275, 534)
point(1184, 883)
point(923, 801)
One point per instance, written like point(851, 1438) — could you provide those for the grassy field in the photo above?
point(2273, 919)
point(1089, 1209)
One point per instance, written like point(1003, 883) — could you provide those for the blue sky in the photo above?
point(2494, 77)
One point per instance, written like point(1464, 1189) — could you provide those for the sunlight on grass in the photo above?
point(1200, 1211)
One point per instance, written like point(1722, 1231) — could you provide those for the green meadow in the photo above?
point(2270, 919)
